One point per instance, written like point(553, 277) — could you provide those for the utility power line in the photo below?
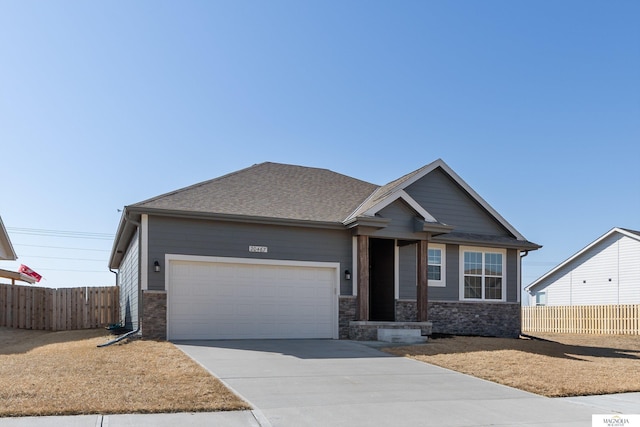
point(61, 233)
point(73, 259)
point(73, 271)
point(61, 247)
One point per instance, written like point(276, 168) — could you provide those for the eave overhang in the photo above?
point(132, 215)
point(126, 230)
point(366, 224)
point(433, 228)
point(486, 241)
point(16, 275)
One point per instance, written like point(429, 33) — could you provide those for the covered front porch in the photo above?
point(380, 228)
point(377, 310)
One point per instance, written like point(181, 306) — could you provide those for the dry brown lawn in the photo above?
point(64, 373)
point(554, 365)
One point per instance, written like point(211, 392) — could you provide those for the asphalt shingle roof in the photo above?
point(271, 190)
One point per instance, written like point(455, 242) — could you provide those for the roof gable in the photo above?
point(616, 230)
point(375, 204)
point(396, 189)
point(6, 248)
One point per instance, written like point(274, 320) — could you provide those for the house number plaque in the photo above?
point(262, 249)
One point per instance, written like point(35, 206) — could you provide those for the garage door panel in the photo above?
point(230, 300)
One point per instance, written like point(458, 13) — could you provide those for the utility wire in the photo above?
point(61, 233)
point(61, 247)
point(74, 271)
point(55, 257)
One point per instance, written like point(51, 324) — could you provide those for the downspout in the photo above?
point(120, 338)
point(130, 333)
point(522, 255)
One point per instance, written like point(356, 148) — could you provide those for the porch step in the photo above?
point(402, 336)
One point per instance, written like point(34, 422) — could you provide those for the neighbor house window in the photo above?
point(435, 265)
point(483, 275)
point(541, 298)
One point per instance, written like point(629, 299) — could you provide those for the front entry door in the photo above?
point(381, 280)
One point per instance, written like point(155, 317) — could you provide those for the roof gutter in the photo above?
point(129, 219)
point(116, 273)
point(123, 235)
point(514, 244)
point(238, 218)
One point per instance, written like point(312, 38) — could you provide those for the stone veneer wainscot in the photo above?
point(499, 319)
point(154, 315)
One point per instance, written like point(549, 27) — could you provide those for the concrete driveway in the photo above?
point(344, 383)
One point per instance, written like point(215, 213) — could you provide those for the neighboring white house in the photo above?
point(606, 271)
point(7, 253)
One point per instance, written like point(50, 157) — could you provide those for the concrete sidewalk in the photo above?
point(226, 419)
point(344, 383)
point(622, 403)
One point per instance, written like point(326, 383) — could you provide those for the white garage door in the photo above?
point(230, 298)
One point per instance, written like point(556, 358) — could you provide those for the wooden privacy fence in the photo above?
point(30, 307)
point(582, 319)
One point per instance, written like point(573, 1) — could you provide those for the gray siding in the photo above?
point(407, 265)
point(402, 222)
point(407, 271)
point(449, 204)
point(128, 279)
point(513, 258)
point(451, 292)
point(232, 239)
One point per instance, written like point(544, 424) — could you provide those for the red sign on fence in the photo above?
point(29, 272)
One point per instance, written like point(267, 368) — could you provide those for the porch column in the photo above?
point(423, 280)
point(363, 277)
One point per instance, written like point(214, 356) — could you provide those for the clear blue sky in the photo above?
point(104, 104)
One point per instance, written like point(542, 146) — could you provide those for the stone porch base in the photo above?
point(368, 330)
point(497, 319)
point(494, 319)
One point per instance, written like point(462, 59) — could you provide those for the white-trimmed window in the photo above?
point(436, 271)
point(483, 274)
point(541, 298)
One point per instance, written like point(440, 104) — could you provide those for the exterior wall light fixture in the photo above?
point(347, 275)
point(156, 266)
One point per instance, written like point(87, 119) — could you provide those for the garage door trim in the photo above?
point(335, 266)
